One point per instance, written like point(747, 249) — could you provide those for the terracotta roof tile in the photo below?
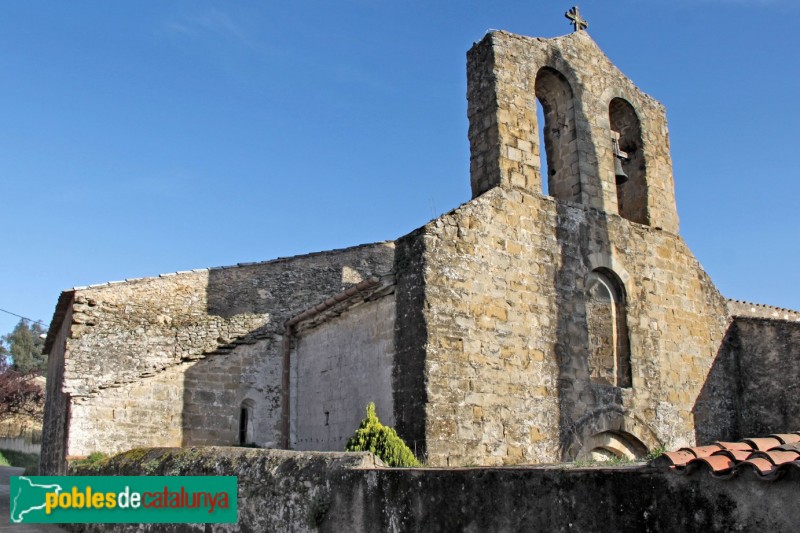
point(717, 463)
point(777, 457)
point(735, 446)
point(763, 466)
point(763, 444)
point(703, 451)
point(736, 455)
point(787, 438)
point(768, 458)
point(679, 458)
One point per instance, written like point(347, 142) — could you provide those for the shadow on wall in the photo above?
point(233, 394)
point(752, 387)
point(410, 341)
point(585, 408)
point(233, 397)
point(716, 408)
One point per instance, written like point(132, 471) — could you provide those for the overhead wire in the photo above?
point(24, 318)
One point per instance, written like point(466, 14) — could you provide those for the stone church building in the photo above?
point(521, 327)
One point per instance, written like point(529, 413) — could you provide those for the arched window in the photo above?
point(610, 445)
point(631, 194)
point(246, 423)
point(560, 135)
point(609, 347)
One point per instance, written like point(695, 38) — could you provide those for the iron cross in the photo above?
point(575, 19)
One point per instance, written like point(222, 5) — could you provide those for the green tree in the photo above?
point(383, 441)
point(24, 346)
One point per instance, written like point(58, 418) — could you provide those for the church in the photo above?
point(556, 316)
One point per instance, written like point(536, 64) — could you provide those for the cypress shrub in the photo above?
point(383, 441)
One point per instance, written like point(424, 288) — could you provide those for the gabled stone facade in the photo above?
point(521, 327)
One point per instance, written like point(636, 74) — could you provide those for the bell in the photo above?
point(619, 155)
point(619, 174)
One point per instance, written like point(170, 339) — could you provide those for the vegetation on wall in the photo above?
point(383, 441)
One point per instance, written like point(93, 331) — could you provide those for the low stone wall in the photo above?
point(316, 491)
point(21, 434)
point(20, 444)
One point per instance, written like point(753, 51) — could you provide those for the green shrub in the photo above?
point(372, 436)
point(96, 457)
point(28, 461)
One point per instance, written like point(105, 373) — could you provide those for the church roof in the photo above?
point(65, 299)
point(768, 458)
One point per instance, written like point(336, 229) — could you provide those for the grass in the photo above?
point(655, 453)
point(614, 461)
point(94, 457)
point(618, 460)
point(28, 461)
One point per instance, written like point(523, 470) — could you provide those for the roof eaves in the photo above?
point(64, 303)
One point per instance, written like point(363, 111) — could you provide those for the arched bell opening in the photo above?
point(629, 162)
point(559, 134)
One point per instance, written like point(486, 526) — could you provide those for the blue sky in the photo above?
point(147, 137)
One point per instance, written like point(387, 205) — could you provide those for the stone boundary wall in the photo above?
point(742, 309)
point(751, 388)
point(769, 367)
point(334, 492)
point(21, 434)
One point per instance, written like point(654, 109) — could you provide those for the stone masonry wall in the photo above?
point(506, 372)
point(192, 403)
point(228, 321)
point(769, 366)
point(752, 386)
point(410, 342)
point(56, 411)
point(216, 388)
point(144, 412)
point(335, 492)
point(503, 131)
point(340, 366)
point(751, 310)
point(21, 433)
